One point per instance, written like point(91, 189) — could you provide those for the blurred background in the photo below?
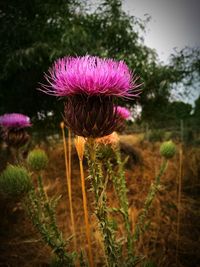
point(159, 40)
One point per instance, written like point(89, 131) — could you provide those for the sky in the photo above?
point(174, 23)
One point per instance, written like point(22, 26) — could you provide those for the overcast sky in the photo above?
point(174, 23)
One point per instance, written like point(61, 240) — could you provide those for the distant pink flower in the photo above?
point(123, 112)
point(14, 120)
point(92, 76)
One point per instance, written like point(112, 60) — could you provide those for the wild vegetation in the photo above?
point(82, 194)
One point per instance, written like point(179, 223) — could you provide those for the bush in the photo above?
point(156, 135)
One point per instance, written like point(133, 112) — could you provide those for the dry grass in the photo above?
point(21, 246)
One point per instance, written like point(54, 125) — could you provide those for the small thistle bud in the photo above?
point(15, 181)
point(37, 160)
point(168, 149)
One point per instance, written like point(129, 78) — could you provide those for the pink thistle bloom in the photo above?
point(123, 112)
point(14, 120)
point(90, 85)
point(92, 76)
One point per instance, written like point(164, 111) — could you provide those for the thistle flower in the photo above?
point(90, 85)
point(15, 120)
point(13, 129)
point(92, 76)
point(123, 112)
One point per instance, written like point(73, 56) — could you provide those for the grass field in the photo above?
point(21, 246)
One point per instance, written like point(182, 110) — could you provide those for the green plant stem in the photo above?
point(50, 211)
point(119, 182)
point(99, 184)
point(140, 226)
point(41, 213)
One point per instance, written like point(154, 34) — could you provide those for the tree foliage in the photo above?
point(34, 34)
point(197, 111)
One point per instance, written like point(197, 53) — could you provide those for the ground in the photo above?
point(21, 245)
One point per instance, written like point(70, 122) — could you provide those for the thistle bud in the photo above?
point(37, 160)
point(168, 149)
point(15, 181)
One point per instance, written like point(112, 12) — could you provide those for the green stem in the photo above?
point(162, 170)
point(139, 228)
point(41, 219)
point(33, 209)
point(47, 207)
point(99, 184)
point(119, 182)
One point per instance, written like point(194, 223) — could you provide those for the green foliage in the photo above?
point(101, 171)
point(57, 262)
point(37, 160)
point(105, 152)
point(178, 111)
point(187, 62)
point(15, 182)
point(83, 262)
point(119, 181)
point(197, 111)
point(141, 224)
point(168, 149)
point(41, 32)
point(99, 185)
point(41, 211)
point(156, 135)
point(149, 264)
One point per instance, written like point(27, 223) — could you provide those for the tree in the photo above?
point(27, 49)
point(187, 63)
point(196, 114)
point(41, 32)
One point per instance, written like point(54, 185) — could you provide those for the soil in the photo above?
point(21, 245)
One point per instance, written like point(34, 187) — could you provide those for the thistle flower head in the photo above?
point(14, 120)
point(91, 117)
point(123, 112)
point(168, 149)
point(92, 76)
point(90, 85)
